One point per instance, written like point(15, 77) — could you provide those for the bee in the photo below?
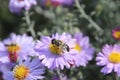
point(61, 45)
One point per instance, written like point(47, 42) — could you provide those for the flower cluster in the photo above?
point(23, 58)
point(27, 58)
point(58, 51)
point(16, 47)
point(15, 59)
point(109, 57)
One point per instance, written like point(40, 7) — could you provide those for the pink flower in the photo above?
point(116, 33)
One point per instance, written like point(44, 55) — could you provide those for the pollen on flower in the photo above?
point(77, 47)
point(13, 48)
point(55, 49)
point(114, 57)
point(20, 72)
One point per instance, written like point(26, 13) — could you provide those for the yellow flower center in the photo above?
point(13, 48)
point(55, 49)
point(77, 47)
point(117, 34)
point(114, 57)
point(20, 72)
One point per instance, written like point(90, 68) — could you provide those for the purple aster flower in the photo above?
point(2, 70)
point(109, 58)
point(116, 33)
point(5, 67)
point(84, 50)
point(15, 47)
point(57, 2)
point(54, 51)
point(17, 5)
point(25, 70)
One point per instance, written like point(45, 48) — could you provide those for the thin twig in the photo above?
point(94, 24)
point(59, 74)
point(116, 77)
point(30, 23)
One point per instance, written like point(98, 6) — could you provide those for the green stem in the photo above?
point(59, 74)
point(94, 24)
point(116, 77)
point(30, 23)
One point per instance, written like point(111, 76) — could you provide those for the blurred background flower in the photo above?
point(16, 47)
point(16, 6)
point(56, 3)
point(84, 48)
point(116, 33)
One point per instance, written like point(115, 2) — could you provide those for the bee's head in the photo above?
point(53, 41)
point(56, 42)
